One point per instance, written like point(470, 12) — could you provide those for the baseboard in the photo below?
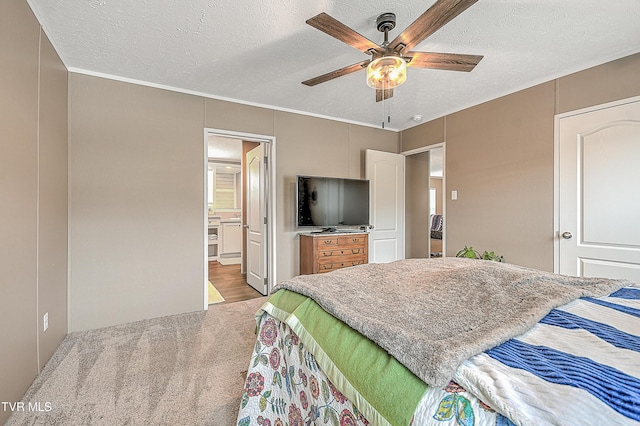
point(229, 260)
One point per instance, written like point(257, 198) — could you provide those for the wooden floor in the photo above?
point(231, 284)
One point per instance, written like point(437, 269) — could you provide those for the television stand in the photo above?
point(325, 253)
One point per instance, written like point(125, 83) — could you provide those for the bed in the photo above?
point(445, 341)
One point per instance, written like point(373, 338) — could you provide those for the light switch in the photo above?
point(454, 195)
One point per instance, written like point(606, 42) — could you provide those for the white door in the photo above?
point(599, 193)
point(385, 172)
point(256, 220)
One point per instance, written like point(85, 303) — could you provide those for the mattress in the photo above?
point(579, 364)
point(286, 385)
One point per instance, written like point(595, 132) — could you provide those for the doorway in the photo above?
point(425, 201)
point(436, 202)
point(597, 199)
point(226, 219)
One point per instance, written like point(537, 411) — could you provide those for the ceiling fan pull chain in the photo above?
point(386, 107)
point(384, 102)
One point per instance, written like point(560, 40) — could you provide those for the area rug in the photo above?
point(178, 370)
point(214, 295)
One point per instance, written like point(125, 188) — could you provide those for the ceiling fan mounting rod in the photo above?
point(385, 23)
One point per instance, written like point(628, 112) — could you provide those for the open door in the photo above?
point(256, 220)
point(385, 171)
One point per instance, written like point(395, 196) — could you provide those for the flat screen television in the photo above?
point(329, 202)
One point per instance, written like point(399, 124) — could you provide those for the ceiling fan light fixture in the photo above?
point(386, 72)
point(387, 67)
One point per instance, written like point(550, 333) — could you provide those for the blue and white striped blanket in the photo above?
point(580, 365)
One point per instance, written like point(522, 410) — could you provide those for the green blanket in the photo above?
point(384, 390)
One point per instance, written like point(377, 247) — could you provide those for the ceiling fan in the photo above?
point(387, 66)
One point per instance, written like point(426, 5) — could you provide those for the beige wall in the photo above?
point(136, 202)
point(314, 146)
point(499, 157)
point(33, 181)
point(136, 192)
point(426, 134)
point(52, 200)
point(224, 115)
point(418, 183)
point(417, 206)
point(598, 85)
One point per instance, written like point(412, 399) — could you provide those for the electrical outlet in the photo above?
point(45, 321)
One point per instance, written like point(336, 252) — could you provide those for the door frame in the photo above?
point(556, 168)
point(420, 150)
point(269, 143)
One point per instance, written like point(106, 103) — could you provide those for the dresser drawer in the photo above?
point(356, 240)
point(325, 253)
point(338, 251)
point(332, 266)
point(326, 242)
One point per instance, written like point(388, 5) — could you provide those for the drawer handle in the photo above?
point(328, 241)
point(355, 251)
point(327, 253)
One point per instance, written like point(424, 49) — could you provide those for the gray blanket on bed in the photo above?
point(432, 314)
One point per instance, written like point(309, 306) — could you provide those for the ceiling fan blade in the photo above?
point(337, 73)
point(382, 94)
point(443, 61)
point(337, 29)
point(439, 14)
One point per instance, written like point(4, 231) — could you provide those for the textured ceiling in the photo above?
point(226, 149)
point(258, 51)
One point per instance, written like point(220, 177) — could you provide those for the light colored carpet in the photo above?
point(178, 370)
point(214, 295)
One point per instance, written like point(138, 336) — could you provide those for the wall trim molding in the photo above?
point(220, 98)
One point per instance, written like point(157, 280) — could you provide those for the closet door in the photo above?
point(599, 201)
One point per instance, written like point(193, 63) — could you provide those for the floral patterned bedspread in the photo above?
point(285, 386)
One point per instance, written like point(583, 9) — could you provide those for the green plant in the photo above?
point(492, 256)
point(470, 253)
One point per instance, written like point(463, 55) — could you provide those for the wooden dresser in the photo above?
point(328, 252)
